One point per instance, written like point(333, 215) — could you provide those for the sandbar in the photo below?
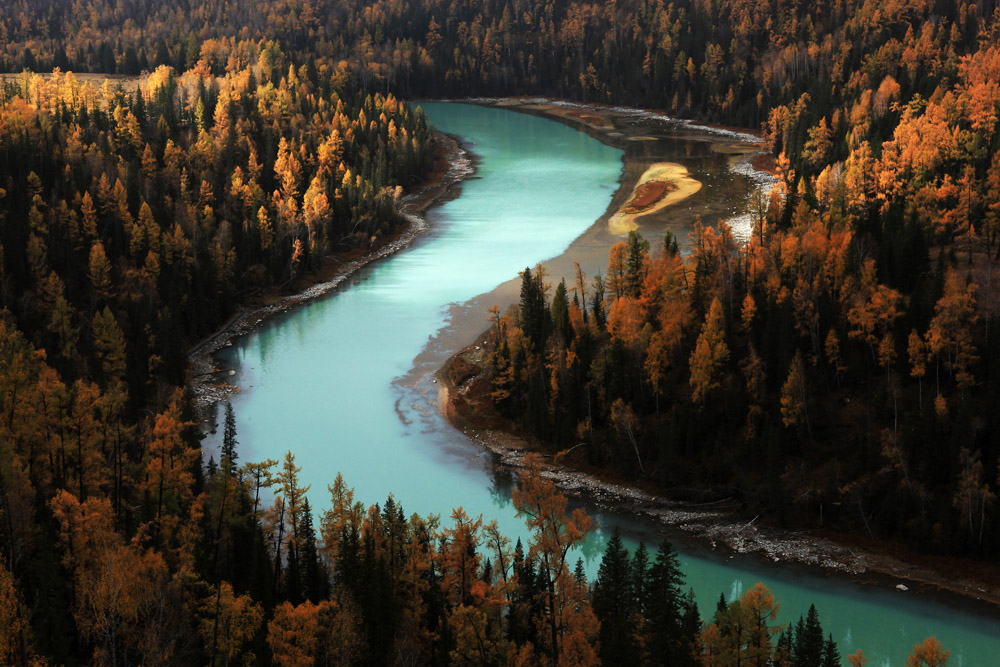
point(662, 184)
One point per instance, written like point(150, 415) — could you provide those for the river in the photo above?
point(346, 383)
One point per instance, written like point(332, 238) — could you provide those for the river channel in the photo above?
point(346, 382)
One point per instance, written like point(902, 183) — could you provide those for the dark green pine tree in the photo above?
point(640, 574)
point(519, 626)
point(396, 530)
point(486, 573)
point(690, 627)
point(667, 635)
point(670, 245)
point(785, 647)
point(614, 605)
point(721, 607)
point(831, 656)
point(809, 640)
point(597, 300)
point(560, 314)
point(635, 266)
point(533, 310)
point(436, 618)
point(229, 441)
point(314, 577)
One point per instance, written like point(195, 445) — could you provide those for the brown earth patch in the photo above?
point(647, 194)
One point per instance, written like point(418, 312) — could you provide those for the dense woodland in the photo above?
point(733, 61)
point(837, 369)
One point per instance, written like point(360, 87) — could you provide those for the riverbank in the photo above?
point(210, 385)
point(465, 401)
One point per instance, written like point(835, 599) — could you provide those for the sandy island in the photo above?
point(663, 184)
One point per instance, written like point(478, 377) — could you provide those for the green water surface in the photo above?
point(322, 381)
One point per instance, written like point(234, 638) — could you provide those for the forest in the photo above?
point(837, 368)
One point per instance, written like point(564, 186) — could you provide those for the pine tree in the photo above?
point(809, 640)
point(533, 310)
point(229, 441)
point(640, 576)
point(636, 263)
point(314, 578)
point(666, 640)
point(831, 656)
point(614, 604)
point(560, 314)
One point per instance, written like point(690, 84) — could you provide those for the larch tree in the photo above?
point(761, 608)
point(229, 623)
point(15, 626)
point(928, 653)
point(793, 395)
point(710, 353)
point(168, 461)
point(460, 557)
point(293, 633)
point(554, 534)
point(973, 496)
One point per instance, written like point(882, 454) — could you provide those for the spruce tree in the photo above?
point(640, 574)
point(614, 605)
point(666, 639)
point(532, 305)
point(229, 441)
point(809, 640)
point(690, 627)
point(560, 314)
point(831, 656)
point(314, 578)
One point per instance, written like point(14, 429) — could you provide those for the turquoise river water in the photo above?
point(333, 380)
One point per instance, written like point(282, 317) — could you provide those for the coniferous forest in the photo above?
point(838, 366)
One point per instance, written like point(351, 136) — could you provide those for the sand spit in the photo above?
point(669, 180)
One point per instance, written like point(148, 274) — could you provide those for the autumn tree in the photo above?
point(293, 634)
point(710, 353)
point(928, 653)
point(229, 624)
point(125, 603)
point(554, 534)
point(15, 627)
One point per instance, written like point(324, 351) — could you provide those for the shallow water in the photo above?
point(333, 381)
